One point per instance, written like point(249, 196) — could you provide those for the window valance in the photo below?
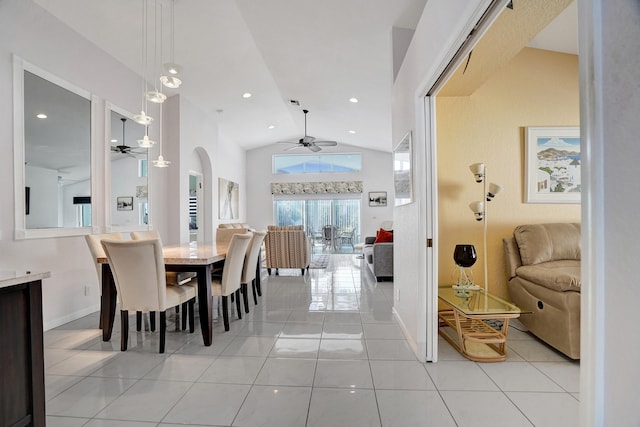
point(326, 187)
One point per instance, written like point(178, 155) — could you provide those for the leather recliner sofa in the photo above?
point(543, 264)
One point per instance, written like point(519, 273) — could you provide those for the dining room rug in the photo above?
point(319, 261)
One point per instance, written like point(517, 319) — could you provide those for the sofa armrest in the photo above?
point(369, 240)
point(383, 259)
point(512, 256)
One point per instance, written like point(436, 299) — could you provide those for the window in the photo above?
point(316, 163)
point(142, 168)
point(314, 214)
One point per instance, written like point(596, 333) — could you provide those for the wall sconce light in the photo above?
point(480, 208)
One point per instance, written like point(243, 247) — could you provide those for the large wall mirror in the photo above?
point(52, 154)
point(128, 170)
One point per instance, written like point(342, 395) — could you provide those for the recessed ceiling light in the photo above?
point(41, 116)
point(114, 140)
point(246, 95)
point(271, 126)
point(352, 131)
point(354, 100)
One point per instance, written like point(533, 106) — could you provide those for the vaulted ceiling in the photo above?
point(320, 53)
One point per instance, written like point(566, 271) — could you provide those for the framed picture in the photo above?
point(402, 171)
point(229, 199)
point(552, 165)
point(377, 198)
point(125, 203)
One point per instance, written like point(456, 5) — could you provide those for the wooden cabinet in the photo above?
point(22, 393)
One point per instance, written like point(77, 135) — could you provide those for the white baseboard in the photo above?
point(420, 354)
point(71, 317)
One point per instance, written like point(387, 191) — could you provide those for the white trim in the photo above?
point(430, 225)
point(20, 231)
point(593, 296)
point(54, 323)
point(106, 149)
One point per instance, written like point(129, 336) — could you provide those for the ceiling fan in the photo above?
point(308, 141)
point(123, 148)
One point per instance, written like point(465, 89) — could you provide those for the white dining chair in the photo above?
point(229, 283)
point(139, 275)
point(173, 277)
point(249, 270)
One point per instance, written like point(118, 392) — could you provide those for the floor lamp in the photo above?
point(480, 209)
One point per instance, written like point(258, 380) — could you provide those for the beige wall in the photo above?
point(537, 88)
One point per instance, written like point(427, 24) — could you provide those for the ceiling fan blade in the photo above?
point(314, 148)
point(326, 143)
point(294, 147)
point(307, 139)
point(287, 142)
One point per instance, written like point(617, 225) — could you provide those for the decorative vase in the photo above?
point(465, 256)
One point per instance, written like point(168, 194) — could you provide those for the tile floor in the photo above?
point(319, 350)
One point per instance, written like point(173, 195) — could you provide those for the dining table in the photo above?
point(193, 257)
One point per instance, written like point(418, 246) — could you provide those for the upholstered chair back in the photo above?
point(234, 262)
point(145, 235)
point(287, 247)
point(93, 241)
point(139, 273)
point(251, 258)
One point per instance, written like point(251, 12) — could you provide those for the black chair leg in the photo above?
point(245, 297)
point(138, 321)
point(253, 288)
point(192, 303)
point(152, 321)
point(185, 311)
point(163, 330)
point(238, 309)
point(124, 330)
point(258, 279)
point(225, 312)
point(269, 271)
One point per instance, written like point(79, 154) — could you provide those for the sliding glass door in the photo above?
point(334, 225)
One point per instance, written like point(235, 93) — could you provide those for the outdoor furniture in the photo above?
point(329, 235)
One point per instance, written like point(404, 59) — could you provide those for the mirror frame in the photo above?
point(21, 232)
point(108, 108)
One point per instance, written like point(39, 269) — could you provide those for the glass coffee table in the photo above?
point(463, 324)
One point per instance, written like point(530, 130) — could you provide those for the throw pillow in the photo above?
point(383, 236)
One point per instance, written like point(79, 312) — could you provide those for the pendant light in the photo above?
point(143, 118)
point(170, 79)
point(145, 142)
point(160, 162)
point(155, 95)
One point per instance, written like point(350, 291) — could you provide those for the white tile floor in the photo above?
point(319, 350)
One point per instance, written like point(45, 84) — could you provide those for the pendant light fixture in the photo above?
point(156, 95)
point(170, 79)
point(160, 162)
point(143, 118)
point(145, 142)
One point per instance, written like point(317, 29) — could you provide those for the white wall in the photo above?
point(441, 27)
point(33, 34)
point(124, 180)
point(231, 165)
point(376, 175)
point(43, 197)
